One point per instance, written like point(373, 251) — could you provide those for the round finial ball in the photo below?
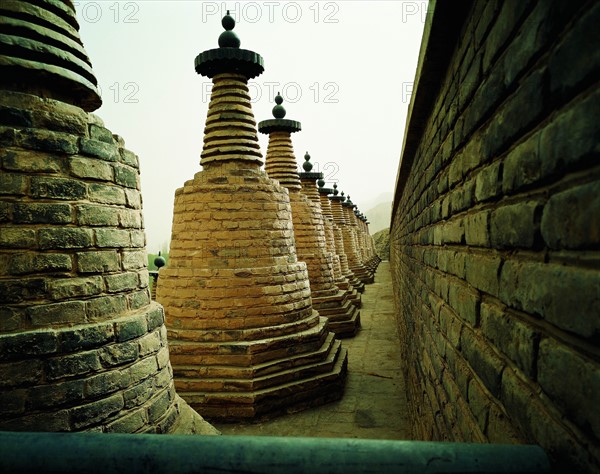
point(228, 22)
point(307, 165)
point(228, 39)
point(335, 191)
point(321, 183)
point(278, 110)
point(160, 262)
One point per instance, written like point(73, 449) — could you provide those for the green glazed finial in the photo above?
point(228, 38)
point(307, 165)
point(278, 110)
point(321, 183)
point(335, 191)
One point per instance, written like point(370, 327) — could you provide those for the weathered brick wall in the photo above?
point(496, 231)
point(82, 347)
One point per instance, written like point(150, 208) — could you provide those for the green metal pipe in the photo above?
point(131, 454)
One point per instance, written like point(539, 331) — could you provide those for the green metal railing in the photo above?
point(175, 454)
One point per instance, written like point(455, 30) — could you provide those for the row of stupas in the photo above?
point(82, 345)
point(265, 270)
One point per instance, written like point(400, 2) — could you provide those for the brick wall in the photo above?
point(496, 228)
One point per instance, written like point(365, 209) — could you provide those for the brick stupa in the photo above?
point(335, 244)
point(82, 347)
point(245, 338)
point(308, 179)
point(351, 242)
point(360, 244)
point(357, 275)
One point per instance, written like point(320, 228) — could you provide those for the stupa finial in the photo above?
point(279, 111)
point(307, 165)
point(335, 191)
point(228, 39)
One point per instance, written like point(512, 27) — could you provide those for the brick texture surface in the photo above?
point(494, 240)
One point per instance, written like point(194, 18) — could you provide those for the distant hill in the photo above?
point(379, 216)
point(382, 243)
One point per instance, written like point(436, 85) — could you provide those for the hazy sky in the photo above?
point(344, 68)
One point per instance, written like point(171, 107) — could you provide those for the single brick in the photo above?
point(487, 365)
point(14, 237)
point(86, 337)
point(75, 287)
point(522, 165)
point(69, 122)
point(560, 370)
point(106, 194)
point(30, 343)
point(71, 365)
point(57, 188)
point(465, 302)
point(98, 149)
point(6, 211)
point(571, 219)
point(121, 282)
point(101, 133)
point(97, 262)
point(571, 138)
point(18, 290)
point(482, 272)
point(129, 423)
point(97, 411)
point(134, 198)
point(163, 357)
point(155, 317)
point(65, 238)
point(158, 406)
point(103, 384)
point(138, 238)
point(126, 176)
point(514, 225)
point(12, 403)
point(30, 162)
point(15, 117)
point(134, 260)
point(130, 218)
point(143, 369)
point(35, 213)
point(129, 158)
point(21, 373)
point(113, 238)
point(96, 215)
point(488, 184)
point(11, 183)
point(516, 339)
point(69, 392)
point(21, 264)
point(149, 344)
point(119, 354)
point(91, 168)
point(11, 318)
point(479, 403)
point(67, 312)
point(106, 307)
point(131, 328)
point(477, 230)
point(45, 140)
point(500, 429)
point(547, 290)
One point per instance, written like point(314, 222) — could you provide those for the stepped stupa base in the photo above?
point(344, 317)
point(265, 377)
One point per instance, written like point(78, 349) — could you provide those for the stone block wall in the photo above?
point(82, 347)
point(496, 228)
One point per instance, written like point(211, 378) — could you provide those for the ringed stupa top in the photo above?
point(42, 53)
point(229, 57)
point(279, 123)
point(322, 189)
